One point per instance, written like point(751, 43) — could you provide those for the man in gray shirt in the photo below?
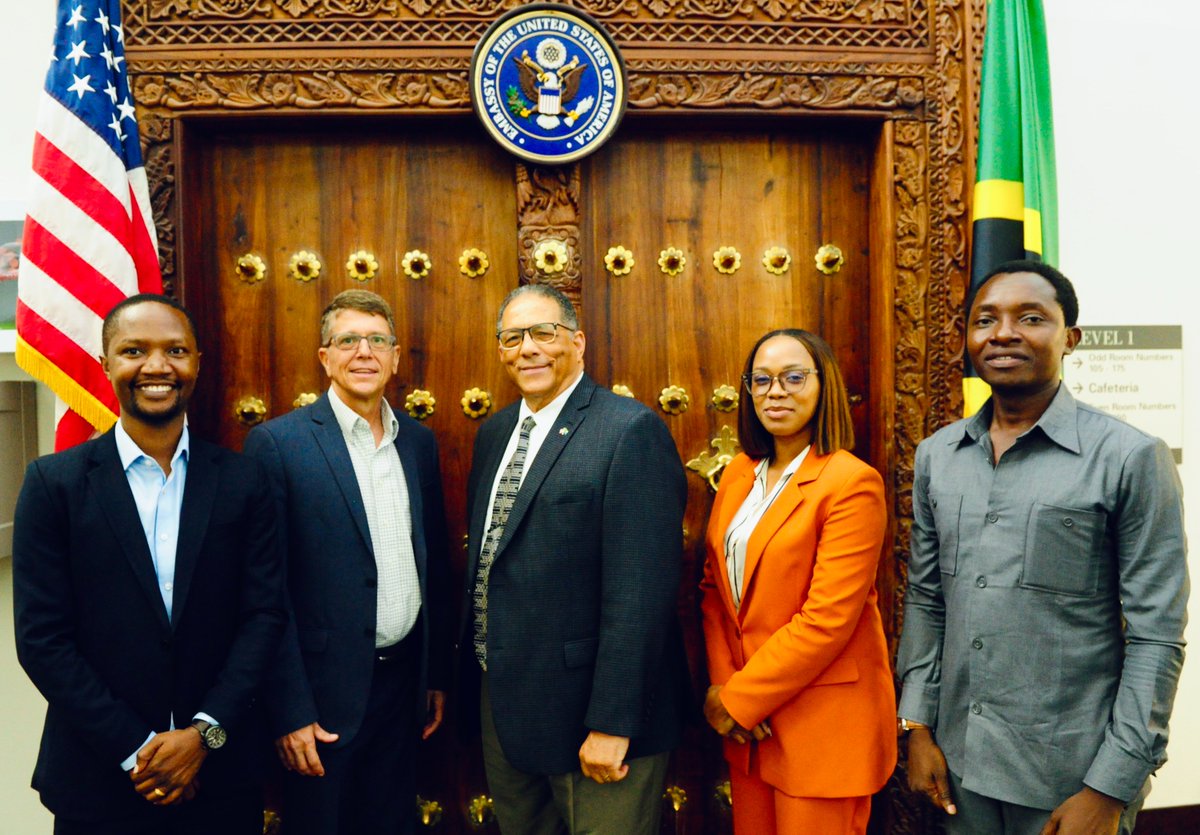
point(1047, 598)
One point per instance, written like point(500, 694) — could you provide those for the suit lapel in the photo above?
point(199, 496)
point(110, 488)
point(737, 490)
point(412, 479)
point(561, 433)
point(328, 435)
point(488, 467)
point(778, 513)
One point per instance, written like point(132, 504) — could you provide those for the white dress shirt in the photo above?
point(747, 518)
point(544, 419)
point(384, 490)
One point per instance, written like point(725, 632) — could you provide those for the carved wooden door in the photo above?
point(358, 194)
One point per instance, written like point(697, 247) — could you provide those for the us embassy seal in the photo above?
point(548, 83)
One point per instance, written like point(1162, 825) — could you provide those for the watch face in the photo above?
point(215, 737)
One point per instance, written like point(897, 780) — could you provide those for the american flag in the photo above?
point(89, 236)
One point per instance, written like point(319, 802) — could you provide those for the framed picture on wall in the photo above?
point(10, 254)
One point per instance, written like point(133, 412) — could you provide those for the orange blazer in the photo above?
point(806, 650)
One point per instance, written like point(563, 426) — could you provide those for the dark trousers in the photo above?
point(369, 784)
point(227, 813)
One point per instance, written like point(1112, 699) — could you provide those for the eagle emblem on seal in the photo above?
point(550, 83)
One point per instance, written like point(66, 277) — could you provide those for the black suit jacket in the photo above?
point(92, 630)
point(582, 630)
point(327, 655)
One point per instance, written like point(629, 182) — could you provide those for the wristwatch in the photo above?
point(907, 725)
point(212, 736)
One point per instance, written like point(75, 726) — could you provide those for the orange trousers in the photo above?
point(761, 809)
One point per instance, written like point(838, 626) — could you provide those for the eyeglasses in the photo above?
point(380, 343)
point(543, 332)
point(791, 381)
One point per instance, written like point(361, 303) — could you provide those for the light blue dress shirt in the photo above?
point(159, 501)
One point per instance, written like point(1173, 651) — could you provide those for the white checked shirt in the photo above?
point(384, 490)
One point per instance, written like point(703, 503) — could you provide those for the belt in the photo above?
point(405, 647)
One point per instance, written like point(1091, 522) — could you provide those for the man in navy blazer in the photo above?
point(570, 649)
point(149, 601)
point(362, 670)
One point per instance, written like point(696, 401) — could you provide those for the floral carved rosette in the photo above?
point(618, 260)
point(727, 260)
point(416, 264)
point(672, 261)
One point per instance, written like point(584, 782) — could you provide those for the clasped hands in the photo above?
point(724, 724)
point(1087, 812)
point(164, 772)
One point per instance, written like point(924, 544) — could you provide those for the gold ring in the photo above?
point(159, 793)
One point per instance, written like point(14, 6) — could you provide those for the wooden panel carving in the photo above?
point(907, 62)
point(736, 24)
point(548, 209)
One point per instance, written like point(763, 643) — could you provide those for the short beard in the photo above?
point(178, 408)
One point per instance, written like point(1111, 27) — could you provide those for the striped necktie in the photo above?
point(506, 495)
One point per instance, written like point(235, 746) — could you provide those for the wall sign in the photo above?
point(548, 83)
point(1134, 372)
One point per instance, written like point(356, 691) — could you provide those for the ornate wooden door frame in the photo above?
point(906, 64)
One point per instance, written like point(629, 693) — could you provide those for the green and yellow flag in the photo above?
point(1016, 201)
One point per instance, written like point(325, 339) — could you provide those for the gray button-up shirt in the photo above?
point(1043, 628)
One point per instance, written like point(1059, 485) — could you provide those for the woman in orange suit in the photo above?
point(801, 687)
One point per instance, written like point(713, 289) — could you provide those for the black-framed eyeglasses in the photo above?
point(792, 381)
point(543, 332)
point(380, 343)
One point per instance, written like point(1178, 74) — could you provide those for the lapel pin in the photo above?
point(563, 431)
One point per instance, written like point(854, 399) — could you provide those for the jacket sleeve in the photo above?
point(844, 571)
point(1153, 582)
point(643, 505)
point(287, 694)
point(262, 612)
point(47, 625)
point(439, 592)
point(919, 660)
point(712, 607)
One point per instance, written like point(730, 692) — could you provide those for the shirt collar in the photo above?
point(129, 452)
point(549, 413)
point(347, 418)
point(1059, 422)
point(760, 470)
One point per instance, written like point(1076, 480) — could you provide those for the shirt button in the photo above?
point(978, 644)
point(1068, 522)
point(933, 502)
point(162, 537)
point(168, 586)
point(992, 517)
point(981, 582)
point(976, 708)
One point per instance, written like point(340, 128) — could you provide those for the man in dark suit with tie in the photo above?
point(570, 649)
point(148, 598)
point(363, 663)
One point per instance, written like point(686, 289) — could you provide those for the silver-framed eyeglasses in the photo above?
point(380, 343)
point(543, 332)
point(792, 381)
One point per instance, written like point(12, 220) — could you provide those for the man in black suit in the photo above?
point(148, 597)
point(570, 648)
point(363, 663)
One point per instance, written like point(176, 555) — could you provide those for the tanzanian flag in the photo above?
point(1016, 201)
